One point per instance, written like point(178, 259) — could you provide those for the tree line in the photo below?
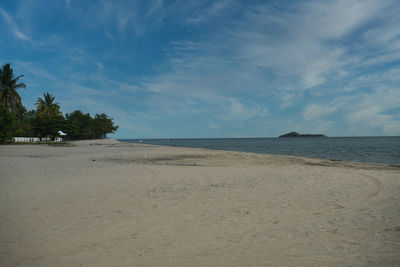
point(47, 119)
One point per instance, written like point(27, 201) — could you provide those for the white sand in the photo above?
point(104, 203)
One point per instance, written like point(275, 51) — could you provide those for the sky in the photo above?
point(209, 69)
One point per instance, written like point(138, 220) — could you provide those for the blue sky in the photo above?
point(176, 69)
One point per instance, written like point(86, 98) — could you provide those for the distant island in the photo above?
point(295, 134)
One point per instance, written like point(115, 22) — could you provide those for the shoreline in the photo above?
point(260, 153)
point(111, 203)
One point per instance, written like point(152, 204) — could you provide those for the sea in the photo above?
point(385, 150)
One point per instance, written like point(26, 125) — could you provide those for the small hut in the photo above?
point(62, 136)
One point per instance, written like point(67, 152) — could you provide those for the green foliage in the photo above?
point(46, 126)
point(6, 124)
point(47, 107)
point(78, 125)
point(83, 126)
point(47, 119)
point(102, 124)
point(9, 97)
point(21, 132)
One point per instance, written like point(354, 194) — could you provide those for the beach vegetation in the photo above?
point(9, 97)
point(102, 124)
point(78, 125)
point(47, 119)
point(81, 125)
point(6, 124)
point(47, 107)
point(47, 126)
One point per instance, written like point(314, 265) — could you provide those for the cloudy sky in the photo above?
point(221, 68)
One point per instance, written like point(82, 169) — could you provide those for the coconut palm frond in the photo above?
point(9, 97)
point(46, 106)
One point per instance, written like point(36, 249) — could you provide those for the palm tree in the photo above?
point(9, 97)
point(46, 106)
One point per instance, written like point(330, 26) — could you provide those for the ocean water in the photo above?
point(359, 149)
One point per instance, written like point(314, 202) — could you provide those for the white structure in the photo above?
point(29, 139)
point(62, 137)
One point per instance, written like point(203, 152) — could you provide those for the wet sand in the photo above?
point(105, 203)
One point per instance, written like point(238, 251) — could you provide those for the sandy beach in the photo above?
point(105, 203)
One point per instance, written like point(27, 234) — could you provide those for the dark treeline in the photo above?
point(46, 120)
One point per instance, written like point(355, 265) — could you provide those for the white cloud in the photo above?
point(136, 17)
point(14, 26)
point(374, 110)
point(314, 111)
point(277, 54)
point(301, 43)
point(365, 112)
point(235, 110)
point(214, 126)
point(262, 61)
point(335, 19)
point(386, 34)
point(21, 35)
point(288, 97)
point(303, 55)
point(208, 12)
point(31, 69)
